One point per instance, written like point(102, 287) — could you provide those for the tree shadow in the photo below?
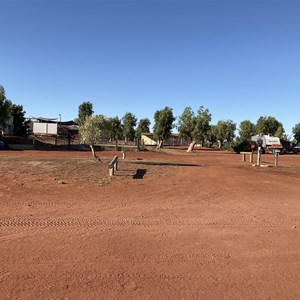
point(164, 164)
point(140, 173)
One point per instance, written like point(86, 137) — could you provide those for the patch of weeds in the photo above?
point(103, 181)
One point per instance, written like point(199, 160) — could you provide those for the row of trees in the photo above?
point(94, 127)
point(7, 110)
point(195, 126)
point(192, 126)
point(113, 128)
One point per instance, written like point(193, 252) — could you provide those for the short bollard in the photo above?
point(276, 152)
point(123, 154)
point(113, 166)
point(258, 156)
point(111, 171)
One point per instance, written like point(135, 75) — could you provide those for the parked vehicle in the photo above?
point(268, 143)
point(297, 148)
point(3, 145)
point(288, 147)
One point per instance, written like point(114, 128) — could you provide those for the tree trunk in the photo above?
point(93, 152)
point(143, 144)
point(159, 144)
point(220, 144)
point(191, 146)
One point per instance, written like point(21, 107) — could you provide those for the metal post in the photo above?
point(258, 156)
point(276, 159)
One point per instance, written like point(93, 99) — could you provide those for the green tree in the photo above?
point(202, 126)
point(296, 132)
point(92, 129)
point(246, 130)
point(143, 127)
point(5, 108)
point(194, 127)
point(269, 125)
point(186, 123)
point(212, 135)
point(116, 130)
point(20, 123)
point(163, 125)
point(280, 132)
point(129, 122)
point(85, 110)
point(225, 131)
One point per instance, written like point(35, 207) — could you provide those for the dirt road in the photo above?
point(167, 226)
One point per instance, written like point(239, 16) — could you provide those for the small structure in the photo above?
point(174, 140)
point(51, 126)
point(247, 153)
point(44, 126)
point(148, 139)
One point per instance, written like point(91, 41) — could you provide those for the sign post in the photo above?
point(259, 144)
point(276, 152)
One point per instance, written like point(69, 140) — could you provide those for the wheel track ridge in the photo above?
point(86, 222)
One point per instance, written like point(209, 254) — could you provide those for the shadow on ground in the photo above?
point(163, 164)
point(139, 174)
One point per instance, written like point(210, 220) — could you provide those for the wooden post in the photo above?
point(276, 159)
point(244, 154)
point(123, 154)
point(111, 171)
point(113, 166)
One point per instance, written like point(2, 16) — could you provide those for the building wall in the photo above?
point(44, 128)
point(148, 141)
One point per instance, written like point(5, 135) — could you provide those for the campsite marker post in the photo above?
point(259, 143)
point(276, 152)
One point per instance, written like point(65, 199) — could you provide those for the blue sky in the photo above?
point(239, 59)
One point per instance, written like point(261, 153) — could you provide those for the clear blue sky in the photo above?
point(240, 59)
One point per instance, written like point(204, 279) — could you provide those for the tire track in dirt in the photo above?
point(132, 204)
point(53, 204)
point(141, 275)
point(189, 257)
point(16, 222)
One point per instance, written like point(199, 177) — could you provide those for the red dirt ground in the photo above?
point(168, 226)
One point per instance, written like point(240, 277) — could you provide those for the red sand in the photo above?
point(198, 226)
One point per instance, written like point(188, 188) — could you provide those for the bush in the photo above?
point(237, 146)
